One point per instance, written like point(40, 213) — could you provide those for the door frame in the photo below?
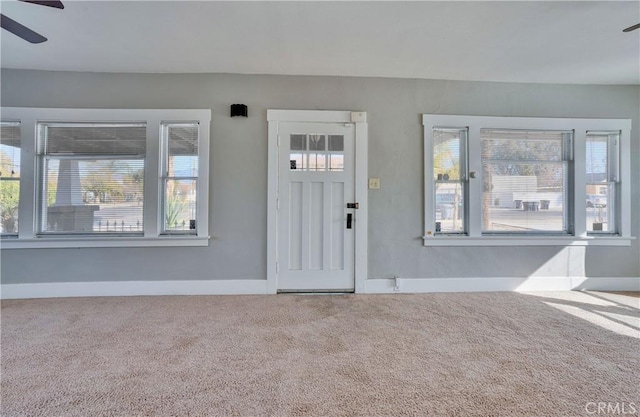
point(359, 120)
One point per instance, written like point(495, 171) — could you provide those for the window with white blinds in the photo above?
point(91, 178)
point(603, 179)
point(9, 177)
point(104, 177)
point(526, 181)
point(450, 180)
point(180, 180)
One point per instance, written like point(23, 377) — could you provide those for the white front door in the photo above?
point(315, 226)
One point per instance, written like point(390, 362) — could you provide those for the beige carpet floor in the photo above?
point(481, 354)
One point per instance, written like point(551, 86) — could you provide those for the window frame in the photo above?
point(565, 161)
point(463, 181)
point(152, 229)
point(164, 177)
point(13, 235)
point(578, 235)
point(45, 155)
point(613, 179)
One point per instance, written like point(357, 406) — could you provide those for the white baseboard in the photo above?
point(423, 285)
point(132, 288)
point(255, 286)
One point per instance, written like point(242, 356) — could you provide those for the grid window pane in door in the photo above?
point(449, 145)
point(298, 154)
point(602, 181)
point(9, 177)
point(298, 143)
point(336, 153)
point(180, 186)
point(317, 152)
point(91, 178)
point(317, 143)
point(525, 181)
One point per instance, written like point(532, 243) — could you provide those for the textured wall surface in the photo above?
point(238, 194)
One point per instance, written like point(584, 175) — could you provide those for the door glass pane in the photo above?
point(336, 162)
point(316, 152)
point(336, 153)
point(317, 142)
point(297, 161)
point(298, 143)
point(317, 161)
point(299, 158)
point(336, 143)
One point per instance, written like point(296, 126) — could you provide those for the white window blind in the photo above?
point(180, 180)
point(525, 181)
point(9, 177)
point(602, 177)
point(449, 176)
point(91, 178)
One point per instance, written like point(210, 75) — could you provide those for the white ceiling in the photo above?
point(547, 42)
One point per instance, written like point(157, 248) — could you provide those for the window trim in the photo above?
point(577, 190)
point(154, 118)
point(164, 176)
point(565, 161)
point(14, 235)
point(463, 181)
point(613, 164)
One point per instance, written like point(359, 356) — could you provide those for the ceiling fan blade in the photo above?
point(20, 30)
point(630, 28)
point(52, 3)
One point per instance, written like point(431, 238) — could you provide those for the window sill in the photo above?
point(527, 241)
point(101, 242)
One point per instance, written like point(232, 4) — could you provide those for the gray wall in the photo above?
point(239, 171)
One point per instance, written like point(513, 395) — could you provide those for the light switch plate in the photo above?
point(374, 183)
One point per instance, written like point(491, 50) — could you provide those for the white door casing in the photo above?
point(317, 165)
point(315, 228)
